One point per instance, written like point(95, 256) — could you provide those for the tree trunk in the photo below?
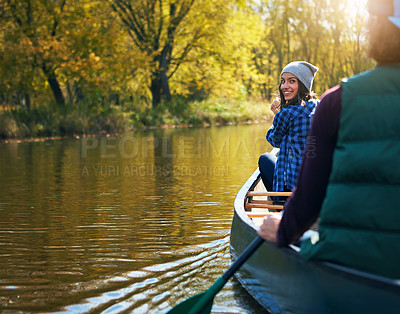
point(155, 89)
point(54, 85)
point(159, 83)
point(165, 61)
point(165, 85)
point(27, 100)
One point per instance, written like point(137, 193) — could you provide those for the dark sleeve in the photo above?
point(302, 208)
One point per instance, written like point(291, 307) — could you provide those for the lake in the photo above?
point(130, 223)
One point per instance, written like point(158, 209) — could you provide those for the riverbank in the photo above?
point(47, 123)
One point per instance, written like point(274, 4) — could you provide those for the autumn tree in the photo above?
point(17, 70)
point(323, 32)
point(222, 64)
point(82, 51)
point(73, 45)
point(38, 22)
point(165, 31)
point(96, 66)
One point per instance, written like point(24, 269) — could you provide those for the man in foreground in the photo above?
point(350, 175)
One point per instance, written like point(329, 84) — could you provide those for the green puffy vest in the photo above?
point(360, 216)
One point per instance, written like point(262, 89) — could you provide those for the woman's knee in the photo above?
point(267, 159)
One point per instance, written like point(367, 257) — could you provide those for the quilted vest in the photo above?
point(360, 215)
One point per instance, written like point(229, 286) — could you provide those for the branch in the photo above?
point(57, 19)
point(130, 19)
point(185, 52)
point(161, 24)
point(183, 11)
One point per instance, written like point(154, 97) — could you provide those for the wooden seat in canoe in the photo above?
point(259, 203)
point(261, 199)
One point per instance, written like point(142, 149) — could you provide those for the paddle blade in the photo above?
point(187, 305)
point(200, 303)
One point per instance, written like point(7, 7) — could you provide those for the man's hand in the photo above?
point(270, 226)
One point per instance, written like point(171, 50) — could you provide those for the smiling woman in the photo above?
point(290, 126)
point(289, 86)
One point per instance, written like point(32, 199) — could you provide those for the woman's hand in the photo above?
point(275, 106)
point(270, 226)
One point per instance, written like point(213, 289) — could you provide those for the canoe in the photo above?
point(282, 282)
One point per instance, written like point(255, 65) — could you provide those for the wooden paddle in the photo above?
point(202, 302)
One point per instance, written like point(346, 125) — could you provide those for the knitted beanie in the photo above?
point(304, 71)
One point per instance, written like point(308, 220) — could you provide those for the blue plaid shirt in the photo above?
point(289, 133)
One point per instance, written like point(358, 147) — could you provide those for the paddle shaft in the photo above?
point(206, 301)
point(243, 257)
point(202, 303)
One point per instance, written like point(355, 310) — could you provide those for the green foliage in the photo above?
point(45, 121)
point(180, 111)
point(226, 111)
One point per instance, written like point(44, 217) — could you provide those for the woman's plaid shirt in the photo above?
point(289, 133)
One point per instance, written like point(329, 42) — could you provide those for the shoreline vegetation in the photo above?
point(43, 123)
point(73, 68)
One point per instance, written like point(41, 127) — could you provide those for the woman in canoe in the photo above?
point(290, 126)
point(352, 181)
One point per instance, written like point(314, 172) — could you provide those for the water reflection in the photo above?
point(135, 223)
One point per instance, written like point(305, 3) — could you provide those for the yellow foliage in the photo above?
point(224, 48)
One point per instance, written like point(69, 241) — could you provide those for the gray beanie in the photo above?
point(304, 71)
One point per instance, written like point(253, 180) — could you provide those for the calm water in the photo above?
point(134, 223)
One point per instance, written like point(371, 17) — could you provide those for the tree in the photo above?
point(80, 51)
point(223, 64)
point(16, 70)
point(159, 29)
point(38, 22)
point(97, 65)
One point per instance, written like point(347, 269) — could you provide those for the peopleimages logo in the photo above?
point(171, 147)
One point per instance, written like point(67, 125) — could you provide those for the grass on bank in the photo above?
point(48, 121)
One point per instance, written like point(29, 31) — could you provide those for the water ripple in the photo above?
point(156, 282)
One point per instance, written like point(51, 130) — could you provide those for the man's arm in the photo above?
point(303, 207)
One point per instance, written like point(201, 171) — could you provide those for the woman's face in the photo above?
point(289, 85)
